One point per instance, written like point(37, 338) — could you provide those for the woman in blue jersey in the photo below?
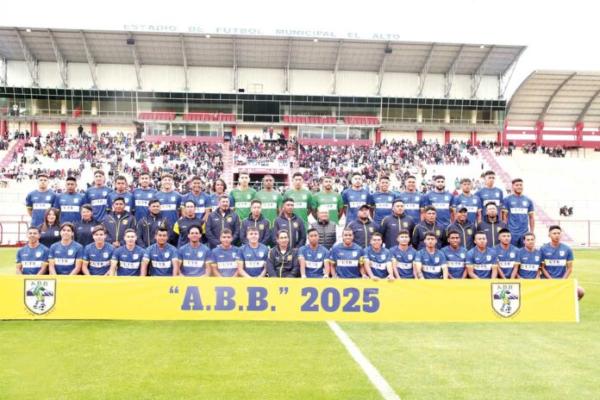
point(378, 260)
point(50, 228)
point(219, 189)
point(65, 256)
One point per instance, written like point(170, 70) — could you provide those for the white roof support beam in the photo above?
point(386, 55)
point(185, 64)
point(476, 77)
point(449, 75)
point(32, 62)
point(504, 79)
point(587, 106)
point(235, 65)
point(63, 68)
point(425, 71)
point(91, 61)
point(3, 70)
point(286, 77)
point(136, 63)
point(336, 66)
point(548, 104)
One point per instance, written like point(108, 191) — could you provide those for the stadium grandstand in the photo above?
point(284, 102)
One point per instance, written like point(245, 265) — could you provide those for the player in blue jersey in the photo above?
point(313, 257)
point(64, 257)
point(32, 259)
point(142, 196)
point(508, 260)
point(441, 200)
point(225, 258)
point(122, 191)
point(97, 196)
point(530, 260)
point(170, 200)
point(482, 261)
point(489, 193)
point(430, 262)
point(412, 199)
point(403, 257)
point(346, 258)
point(200, 199)
point(354, 197)
point(518, 213)
point(253, 256)
point(127, 260)
point(382, 200)
point(162, 258)
point(40, 200)
point(98, 255)
point(456, 256)
point(468, 200)
point(69, 203)
point(194, 256)
point(557, 258)
point(378, 259)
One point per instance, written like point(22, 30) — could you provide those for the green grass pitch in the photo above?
point(276, 360)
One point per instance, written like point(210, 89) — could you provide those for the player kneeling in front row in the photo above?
point(253, 255)
point(403, 256)
point(557, 258)
point(127, 260)
point(482, 262)
point(162, 258)
point(430, 262)
point(194, 256)
point(97, 255)
point(32, 259)
point(346, 258)
point(529, 260)
point(313, 257)
point(378, 259)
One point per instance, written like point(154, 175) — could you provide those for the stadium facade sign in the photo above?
point(180, 298)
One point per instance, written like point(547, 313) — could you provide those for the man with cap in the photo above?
point(393, 224)
point(362, 227)
point(464, 227)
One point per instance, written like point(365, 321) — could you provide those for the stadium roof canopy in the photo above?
point(560, 99)
point(96, 46)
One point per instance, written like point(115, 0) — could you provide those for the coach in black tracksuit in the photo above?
point(222, 218)
point(259, 222)
point(288, 221)
point(428, 225)
point(363, 227)
point(393, 224)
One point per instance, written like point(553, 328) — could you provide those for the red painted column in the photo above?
point(446, 137)
point(377, 135)
point(499, 137)
point(473, 138)
point(579, 129)
point(286, 132)
point(539, 129)
point(233, 131)
point(94, 128)
point(419, 135)
point(3, 127)
point(63, 128)
point(34, 129)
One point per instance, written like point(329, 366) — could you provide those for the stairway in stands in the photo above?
point(228, 164)
point(9, 155)
point(541, 216)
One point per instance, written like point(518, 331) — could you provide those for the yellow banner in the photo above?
point(94, 297)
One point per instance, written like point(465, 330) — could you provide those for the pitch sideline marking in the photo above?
point(369, 369)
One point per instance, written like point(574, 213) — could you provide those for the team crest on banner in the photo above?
point(506, 298)
point(39, 295)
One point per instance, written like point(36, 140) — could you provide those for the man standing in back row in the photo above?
point(301, 196)
point(518, 213)
point(242, 196)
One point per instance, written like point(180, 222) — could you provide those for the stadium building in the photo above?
point(318, 90)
